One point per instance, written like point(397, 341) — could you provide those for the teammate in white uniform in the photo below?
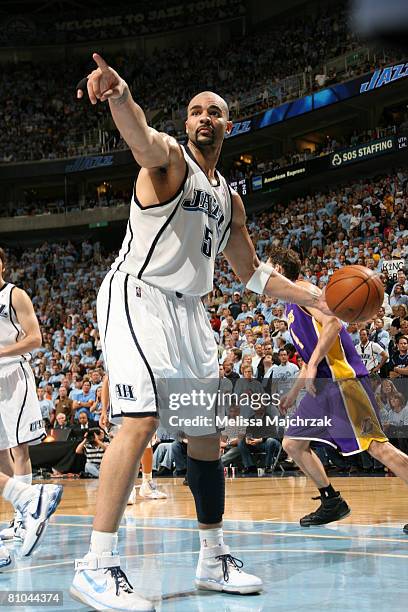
point(154, 327)
point(20, 421)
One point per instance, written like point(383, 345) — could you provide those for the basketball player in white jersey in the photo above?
point(154, 326)
point(20, 421)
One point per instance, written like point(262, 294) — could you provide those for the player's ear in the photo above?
point(276, 267)
point(228, 128)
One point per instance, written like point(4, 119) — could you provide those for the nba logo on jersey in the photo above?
point(3, 311)
point(138, 292)
point(125, 392)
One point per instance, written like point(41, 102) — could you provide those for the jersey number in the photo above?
point(207, 242)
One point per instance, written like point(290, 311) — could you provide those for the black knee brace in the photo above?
point(207, 484)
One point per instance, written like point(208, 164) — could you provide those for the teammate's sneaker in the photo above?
point(405, 529)
point(36, 511)
point(218, 570)
point(132, 497)
point(149, 490)
point(8, 532)
point(100, 584)
point(331, 509)
point(15, 531)
point(6, 559)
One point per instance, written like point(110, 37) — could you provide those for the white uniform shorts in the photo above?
point(156, 345)
point(20, 415)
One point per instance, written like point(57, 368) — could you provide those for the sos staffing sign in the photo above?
point(363, 152)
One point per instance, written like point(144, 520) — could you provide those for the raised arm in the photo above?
point(150, 148)
point(241, 255)
point(25, 315)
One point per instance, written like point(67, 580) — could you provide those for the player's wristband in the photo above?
point(260, 277)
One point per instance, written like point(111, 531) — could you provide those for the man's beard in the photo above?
point(206, 141)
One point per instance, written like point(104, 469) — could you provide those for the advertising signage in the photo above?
point(363, 151)
point(281, 176)
point(331, 95)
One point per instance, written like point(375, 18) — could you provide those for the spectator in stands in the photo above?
point(96, 407)
point(235, 306)
point(64, 404)
point(93, 446)
point(47, 408)
point(399, 296)
point(379, 335)
point(256, 440)
point(61, 421)
point(399, 360)
point(84, 399)
point(373, 355)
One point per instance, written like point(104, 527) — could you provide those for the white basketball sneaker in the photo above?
point(218, 570)
point(15, 531)
point(149, 490)
point(6, 559)
point(8, 532)
point(132, 497)
point(35, 512)
point(100, 584)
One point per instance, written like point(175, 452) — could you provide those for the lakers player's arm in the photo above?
point(25, 315)
point(330, 329)
point(290, 398)
point(241, 255)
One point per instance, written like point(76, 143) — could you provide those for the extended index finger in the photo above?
point(100, 62)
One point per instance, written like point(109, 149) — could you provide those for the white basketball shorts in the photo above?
point(153, 341)
point(20, 415)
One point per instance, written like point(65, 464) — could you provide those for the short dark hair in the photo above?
point(3, 257)
point(288, 259)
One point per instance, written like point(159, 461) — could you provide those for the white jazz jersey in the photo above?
point(10, 329)
point(173, 245)
point(20, 414)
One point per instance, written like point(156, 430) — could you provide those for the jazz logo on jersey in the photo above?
point(125, 392)
point(3, 311)
point(206, 203)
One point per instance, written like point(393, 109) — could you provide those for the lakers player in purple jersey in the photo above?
point(339, 407)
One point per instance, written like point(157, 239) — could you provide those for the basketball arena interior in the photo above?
point(280, 130)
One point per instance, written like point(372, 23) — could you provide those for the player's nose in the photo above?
point(205, 118)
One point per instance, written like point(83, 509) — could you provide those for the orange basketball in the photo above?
point(354, 293)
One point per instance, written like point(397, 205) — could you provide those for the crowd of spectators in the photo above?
point(41, 119)
point(363, 223)
point(113, 197)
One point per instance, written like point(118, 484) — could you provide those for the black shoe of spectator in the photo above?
point(185, 482)
point(163, 471)
point(180, 472)
point(405, 529)
point(252, 469)
point(331, 509)
point(268, 470)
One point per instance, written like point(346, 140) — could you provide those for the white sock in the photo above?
point(103, 542)
point(147, 477)
point(26, 478)
point(18, 493)
point(211, 537)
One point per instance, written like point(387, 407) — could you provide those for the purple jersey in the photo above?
point(341, 362)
